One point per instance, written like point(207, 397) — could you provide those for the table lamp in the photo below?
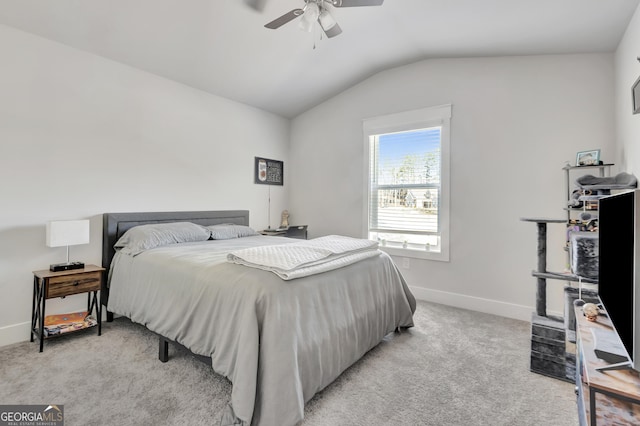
point(67, 233)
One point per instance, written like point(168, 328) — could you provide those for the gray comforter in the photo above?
point(279, 342)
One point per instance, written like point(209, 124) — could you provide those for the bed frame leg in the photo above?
point(163, 350)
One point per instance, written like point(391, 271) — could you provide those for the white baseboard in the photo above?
point(14, 333)
point(489, 306)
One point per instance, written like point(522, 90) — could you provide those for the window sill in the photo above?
point(415, 254)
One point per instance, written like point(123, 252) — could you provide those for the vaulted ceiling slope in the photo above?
point(222, 47)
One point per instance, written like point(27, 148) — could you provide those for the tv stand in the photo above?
point(607, 393)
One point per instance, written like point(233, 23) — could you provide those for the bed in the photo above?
point(278, 341)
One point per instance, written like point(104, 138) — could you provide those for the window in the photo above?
point(407, 182)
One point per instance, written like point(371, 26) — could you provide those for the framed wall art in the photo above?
point(268, 172)
point(588, 158)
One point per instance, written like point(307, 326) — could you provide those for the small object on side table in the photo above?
point(284, 222)
point(292, 231)
point(590, 311)
point(273, 232)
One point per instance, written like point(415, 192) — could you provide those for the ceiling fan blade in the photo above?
point(333, 31)
point(287, 17)
point(356, 3)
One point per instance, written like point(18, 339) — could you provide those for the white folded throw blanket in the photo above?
point(304, 258)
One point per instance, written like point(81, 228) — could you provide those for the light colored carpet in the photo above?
point(455, 367)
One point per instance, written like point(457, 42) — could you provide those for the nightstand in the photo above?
point(49, 285)
point(299, 232)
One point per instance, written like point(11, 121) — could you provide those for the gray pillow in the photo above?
point(145, 237)
point(226, 231)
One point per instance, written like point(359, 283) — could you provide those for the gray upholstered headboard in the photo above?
point(116, 224)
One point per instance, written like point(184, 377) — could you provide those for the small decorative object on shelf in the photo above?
point(284, 222)
point(588, 158)
point(590, 311)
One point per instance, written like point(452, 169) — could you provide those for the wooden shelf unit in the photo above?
point(603, 170)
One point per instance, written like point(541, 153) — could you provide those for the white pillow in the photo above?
point(145, 237)
point(227, 231)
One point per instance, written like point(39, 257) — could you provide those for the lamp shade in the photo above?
point(67, 233)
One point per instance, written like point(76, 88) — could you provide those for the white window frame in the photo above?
point(407, 121)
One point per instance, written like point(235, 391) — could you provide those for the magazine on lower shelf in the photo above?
point(65, 323)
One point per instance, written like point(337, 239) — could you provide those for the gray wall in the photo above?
point(627, 72)
point(81, 135)
point(515, 122)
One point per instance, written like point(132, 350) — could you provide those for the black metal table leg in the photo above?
point(592, 406)
point(163, 349)
point(33, 307)
point(44, 301)
point(96, 303)
point(99, 309)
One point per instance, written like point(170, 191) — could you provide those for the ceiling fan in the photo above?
point(318, 11)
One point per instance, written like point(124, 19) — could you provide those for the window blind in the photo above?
point(405, 182)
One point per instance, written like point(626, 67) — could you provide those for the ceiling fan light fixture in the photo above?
point(316, 11)
point(310, 16)
point(326, 20)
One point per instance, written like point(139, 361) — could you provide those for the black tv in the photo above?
point(618, 277)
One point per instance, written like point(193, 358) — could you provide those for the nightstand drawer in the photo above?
point(73, 284)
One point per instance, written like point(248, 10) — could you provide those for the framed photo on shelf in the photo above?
point(269, 172)
point(588, 158)
point(635, 94)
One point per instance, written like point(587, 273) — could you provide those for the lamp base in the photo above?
point(57, 267)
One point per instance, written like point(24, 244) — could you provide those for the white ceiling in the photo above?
point(221, 46)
